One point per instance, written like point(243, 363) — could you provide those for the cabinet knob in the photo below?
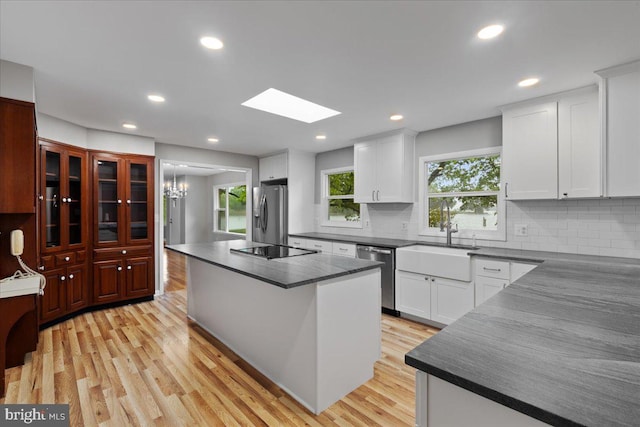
point(124, 252)
point(66, 258)
point(128, 201)
point(71, 276)
point(41, 268)
point(433, 280)
point(565, 194)
point(128, 267)
point(64, 199)
point(119, 268)
point(41, 197)
point(119, 201)
point(62, 278)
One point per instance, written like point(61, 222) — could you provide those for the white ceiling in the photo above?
point(95, 62)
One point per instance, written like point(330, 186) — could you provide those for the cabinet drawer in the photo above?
point(344, 249)
point(66, 258)
point(320, 245)
point(491, 268)
point(110, 253)
point(81, 256)
point(47, 262)
point(297, 242)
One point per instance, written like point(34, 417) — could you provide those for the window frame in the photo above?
point(498, 235)
point(325, 197)
point(216, 207)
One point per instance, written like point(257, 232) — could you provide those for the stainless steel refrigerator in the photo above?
point(270, 214)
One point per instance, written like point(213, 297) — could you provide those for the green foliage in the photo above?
point(237, 200)
point(342, 184)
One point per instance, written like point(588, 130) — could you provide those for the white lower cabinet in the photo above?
point(450, 299)
point(486, 287)
point(491, 276)
point(344, 249)
point(297, 242)
point(433, 298)
point(320, 245)
point(413, 294)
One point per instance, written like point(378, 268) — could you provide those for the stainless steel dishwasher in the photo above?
point(388, 271)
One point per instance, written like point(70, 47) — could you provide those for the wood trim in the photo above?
point(17, 102)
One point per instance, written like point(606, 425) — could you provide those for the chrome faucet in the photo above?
point(450, 231)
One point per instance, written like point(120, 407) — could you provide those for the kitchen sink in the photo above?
point(452, 262)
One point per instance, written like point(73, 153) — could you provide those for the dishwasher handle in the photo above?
point(375, 250)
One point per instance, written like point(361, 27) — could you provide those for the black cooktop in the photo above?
point(273, 251)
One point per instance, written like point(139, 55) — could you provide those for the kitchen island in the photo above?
point(310, 323)
point(560, 346)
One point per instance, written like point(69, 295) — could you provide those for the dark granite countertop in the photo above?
point(561, 344)
point(284, 272)
point(361, 240)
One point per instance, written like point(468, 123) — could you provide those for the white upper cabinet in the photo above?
point(530, 151)
point(383, 167)
point(579, 147)
point(551, 147)
point(273, 167)
point(620, 97)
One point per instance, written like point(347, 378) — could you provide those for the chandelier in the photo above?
point(172, 191)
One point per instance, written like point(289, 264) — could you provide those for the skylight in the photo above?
point(277, 102)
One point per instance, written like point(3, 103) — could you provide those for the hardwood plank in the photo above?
point(148, 364)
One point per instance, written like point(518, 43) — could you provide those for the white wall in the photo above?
point(119, 142)
point(606, 227)
point(300, 188)
point(62, 131)
point(16, 81)
point(196, 219)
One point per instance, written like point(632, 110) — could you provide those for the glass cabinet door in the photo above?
point(74, 199)
point(107, 201)
point(138, 203)
point(53, 199)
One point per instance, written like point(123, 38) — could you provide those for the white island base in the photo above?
point(318, 342)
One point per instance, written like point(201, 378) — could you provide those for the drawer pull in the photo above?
point(317, 246)
point(128, 267)
point(71, 276)
point(66, 258)
point(343, 249)
point(124, 252)
point(492, 269)
point(119, 268)
point(62, 278)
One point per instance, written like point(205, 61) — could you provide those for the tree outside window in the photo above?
point(470, 185)
point(339, 207)
point(230, 213)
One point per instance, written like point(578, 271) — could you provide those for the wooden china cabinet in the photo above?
point(123, 266)
point(64, 237)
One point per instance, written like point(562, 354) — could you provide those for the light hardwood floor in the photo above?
point(146, 364)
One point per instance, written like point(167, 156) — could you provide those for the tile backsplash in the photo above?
point(606, 227)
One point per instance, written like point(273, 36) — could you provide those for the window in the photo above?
point(338, 205)
point(469, 183)
point(230, 204)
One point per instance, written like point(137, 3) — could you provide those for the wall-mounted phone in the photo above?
point(17, 242)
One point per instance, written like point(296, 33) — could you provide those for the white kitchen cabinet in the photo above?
point(491, 276)
point(450, 299)
point(343, 249)
point(579, 146)
point(383, 167)
point(273, 167)
point(486, 287)
point(323, 246)
point(413, 294)
point(551, 147)
point(529, 151)
point(620, 120)
point(297, 242)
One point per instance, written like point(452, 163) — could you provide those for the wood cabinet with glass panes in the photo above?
point(64, 236)
point(122, 226)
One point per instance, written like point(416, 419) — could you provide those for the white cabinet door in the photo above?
point(273, 167)
point(486, 287)
point(529, 152)
point(320, 245)
point(344, 249)
point(622, 124)
point(450, 299)
point(579, 148)
point(389, 167)
point(364, 161)
point(413, 294)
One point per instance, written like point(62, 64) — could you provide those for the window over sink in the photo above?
point(339, 208)
point(469, 183)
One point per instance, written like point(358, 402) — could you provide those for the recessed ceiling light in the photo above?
point(211, 43)
point(129, 126)
point(155, 98)
point(396, 117)
point(213, 139)
point(490, 32)
point(321, 137)
point(528, 82)
point(277, 102)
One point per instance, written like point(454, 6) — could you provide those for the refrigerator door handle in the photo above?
point(264, 215)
